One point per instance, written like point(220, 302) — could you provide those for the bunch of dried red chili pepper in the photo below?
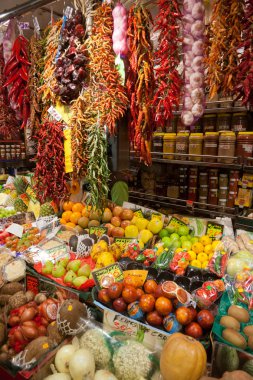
point(9, 126)
point(140, 81)
point(244, 77)
point(50, 178)
point(168, 80)
point(16, 72)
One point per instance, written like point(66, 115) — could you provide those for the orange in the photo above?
point(69, 224)
point(85, 212)
point(63, 221)
point(67, 206)
point(77, 207)
point(75, 217)
point(66, 215)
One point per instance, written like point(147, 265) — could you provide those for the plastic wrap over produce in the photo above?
point(119, 36)
point(193, 49)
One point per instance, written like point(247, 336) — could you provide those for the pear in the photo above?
point(84, 270)
point(64, 262)
point(74, 265)
point(78, 281)
point(58, 271)
point(47, 268)
point(69, 277)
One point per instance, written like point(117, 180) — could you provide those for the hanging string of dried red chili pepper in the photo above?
point(140, 81)
point(50, 178)
point(168, 80)
point(244, 77)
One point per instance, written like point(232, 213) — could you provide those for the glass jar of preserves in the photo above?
point(203, 179)
point(210, 148)
point(173, 191)
point(213, 179)
point(226, 147)
point(223, 180)
point(157, 143)
point(169, 145)
point(182, 145)
point(223, 122)
point(196, 146)
point(202, 202)
point(192, 194)
point(244, 146)
point(239, 122)
point(213, 197)
point(203, 191)
point(209, 123)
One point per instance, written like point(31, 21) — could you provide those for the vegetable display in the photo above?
point(168, 81)
point(70, 69)
point(50, 178)
point(16, 71)
point(193, 48)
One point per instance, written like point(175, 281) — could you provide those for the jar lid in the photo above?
point(224, 115)
point(169, 135)
point(212, 133)
point(183, 134)
point(240, 114)
point(157, 134)
point(245, 133)
point(227, 134)
point(208, 116)
point(196, 135)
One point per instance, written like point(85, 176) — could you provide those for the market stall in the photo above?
point(126, 233)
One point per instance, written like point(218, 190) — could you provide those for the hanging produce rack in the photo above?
point(23, 8)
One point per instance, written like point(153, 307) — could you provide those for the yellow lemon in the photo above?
point(131, 231)
point(205, 240)
point(204, 264)
point(215, 243)
point(141, 223)
point(208, 249)
point(145, 236)
point(197, 247)
point(192, 255)
point(155, 226)
point(103, 244)
point(195, 263)
point(202, 256)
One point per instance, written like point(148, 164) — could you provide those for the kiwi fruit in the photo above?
point(74, 313)
point(234, 337)
point(11, 288)
point(54, 334)
point(230, 322)
point(38, 347)
point(239, 313)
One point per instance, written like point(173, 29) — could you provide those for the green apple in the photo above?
point(69, 277)
point(163, 233)
point(78, 281)
point(47, 268)
point(183, 238)
point(194, 240)
point(58, 271)
point(183, 230)
point(167, 242)
point(63, 262)
point(187, 245)
point(176, 244)
point(174, 236)
point(84, 271)
point(74, 265)
point(171, 230)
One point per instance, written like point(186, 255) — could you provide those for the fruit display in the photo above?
point(29, 238)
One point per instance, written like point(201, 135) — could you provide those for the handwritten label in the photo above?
point(24, 25)
point(15, 229)
point(68, 12)
point(68, 151)
point(52, 111)
point(98, 231)
point(214, 230)
point(104, 277)
point(138, 276)
point(124, 242)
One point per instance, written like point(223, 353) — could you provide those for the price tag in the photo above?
point(52, 111)
point(15, 229)
point(124, 242)
point(175, 222)
point(106, 276)
point(214, 230)
point(98, 231)
point(24, 25)
point(36, 24)
point(68, 12)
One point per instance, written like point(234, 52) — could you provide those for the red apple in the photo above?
point(147, 303)
point(125, 223)
point(164, 306)
point(118, 232)
point(150, 286)
point(109, 227)
point(115, 221)
point(129, 294)
point(117, 210)
point(127, 214)
point(154, 318)
point(103, 296)
point(115, 290)
point(119, 305)
point(205, 319)
point(194, 330)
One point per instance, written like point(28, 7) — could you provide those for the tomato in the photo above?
point(193, 313)
point(154, 318)
point(183, 315)
point(115, 290)
point(119, 305)
point(194, 330)
point(129, 294)
point(163, 305)
point(147, 303)
point(159, 292)
point(103, 296)
point(150, 286)
point(205, 319)
point(140, 293)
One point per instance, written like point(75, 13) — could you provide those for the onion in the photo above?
point(197, 29)
point(62, 358)
point(187, 118)
point(198, 11)
point(58, 376)
point(82, 365)
point(197, 110)
point(103, 374)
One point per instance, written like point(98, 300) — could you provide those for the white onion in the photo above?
point(197, 29)
point(58, 376)
point(188, 103)
point(196, 80)
point(187, 118)
point(197, 63)
point(197, 47)
point(197, 95)
point(197, 110)
point(198, 11)
point(62, 358)
point(103, 374)
point(82, 365)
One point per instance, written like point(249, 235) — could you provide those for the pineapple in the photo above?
point(46, 209)
point(20, 204)
point(20, 184)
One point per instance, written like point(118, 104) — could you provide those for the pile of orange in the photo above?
point(72, 213)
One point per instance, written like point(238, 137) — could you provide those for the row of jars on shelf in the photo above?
point(216, 144)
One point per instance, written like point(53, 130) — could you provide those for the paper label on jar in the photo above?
point(247, 148)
